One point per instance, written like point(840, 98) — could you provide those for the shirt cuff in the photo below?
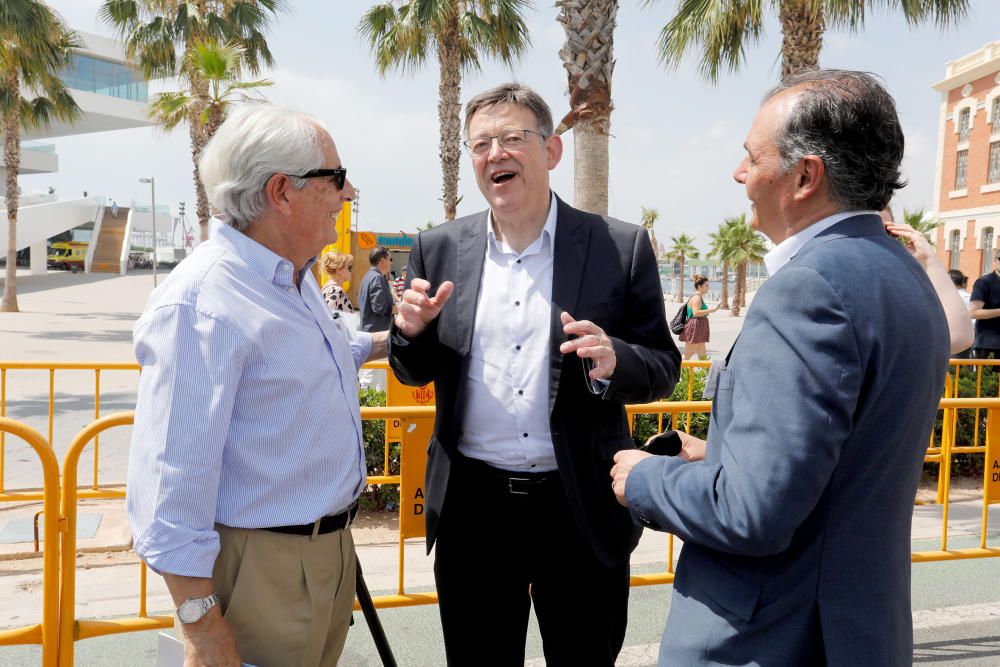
point(178, 550)
point(361, 348)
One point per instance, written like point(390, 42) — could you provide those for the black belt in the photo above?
point(327, 524)
point(512, 482)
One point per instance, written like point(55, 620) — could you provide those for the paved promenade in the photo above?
point(80, 317)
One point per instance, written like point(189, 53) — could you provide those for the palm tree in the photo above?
point(219, 65)
point(746, 248)
point(160, 36)
point(402, 33)
point(720, 249)
point(649, 218)
point(720, 29)
point(34, 46)
point(683, 248)
point(588, 58)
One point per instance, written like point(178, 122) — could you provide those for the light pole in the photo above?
point(152, 189)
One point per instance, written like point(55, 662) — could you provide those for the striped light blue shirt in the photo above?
point(247, 411)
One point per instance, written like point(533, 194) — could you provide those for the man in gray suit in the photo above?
point(796, 513)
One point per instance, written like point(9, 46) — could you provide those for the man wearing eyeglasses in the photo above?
point(537, 322)
point(247, 455)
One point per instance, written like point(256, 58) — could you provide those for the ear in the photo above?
point(276, 193)
point(553, 151)
point(811, 177)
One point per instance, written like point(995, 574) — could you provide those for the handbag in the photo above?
point(680, 320)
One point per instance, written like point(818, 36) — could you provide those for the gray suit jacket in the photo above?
point(375, 301)
point(796, 527)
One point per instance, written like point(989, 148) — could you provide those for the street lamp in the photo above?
point(152, 190)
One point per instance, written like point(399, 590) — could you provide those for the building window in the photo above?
point(955, 240)
point(993, 173)
point(995, 115)
point(104, 77)
point(963, 124)
point(961, 167)
point(987, 249)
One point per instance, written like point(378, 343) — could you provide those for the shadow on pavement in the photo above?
point(957, 649)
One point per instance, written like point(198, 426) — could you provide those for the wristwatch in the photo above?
point(192, 609)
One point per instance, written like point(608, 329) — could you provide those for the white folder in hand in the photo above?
point(170, 652)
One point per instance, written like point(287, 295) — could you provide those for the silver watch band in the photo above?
point(193, 609)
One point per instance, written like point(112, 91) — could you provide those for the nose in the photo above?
point(740, 175)
point(498, 153)
point(348, 193)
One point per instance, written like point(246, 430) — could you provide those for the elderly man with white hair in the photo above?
point(247, 456)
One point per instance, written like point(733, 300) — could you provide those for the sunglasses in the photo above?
point(337, 176)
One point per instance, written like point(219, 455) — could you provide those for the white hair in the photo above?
point(254, 143)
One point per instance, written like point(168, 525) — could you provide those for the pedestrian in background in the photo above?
point(339, 267)
point(696, 331)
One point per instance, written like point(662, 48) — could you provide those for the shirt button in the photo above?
point(517, 303)
point(517, 347)
point(524, 435)
point(520, 392)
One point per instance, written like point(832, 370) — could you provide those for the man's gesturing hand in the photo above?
point(590, 343)
point(417, 309)
point(624, 460)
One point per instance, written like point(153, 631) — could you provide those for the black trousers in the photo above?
point(507, 541)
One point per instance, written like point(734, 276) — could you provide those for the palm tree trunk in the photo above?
point(449, 112)
point(740, 277)
point(196, 131)
point(12, 159)
point(589, 61)
point(680, 283)
point(724, 301)
point(802, 28)
point(590, 165)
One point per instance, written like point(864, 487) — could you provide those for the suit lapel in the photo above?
point(469, 276)
point(569, 257)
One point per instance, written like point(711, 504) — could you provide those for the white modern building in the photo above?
point(112, 95)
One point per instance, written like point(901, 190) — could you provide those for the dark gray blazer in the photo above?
point(375, 301)
point(796, 527)
point(603, 270)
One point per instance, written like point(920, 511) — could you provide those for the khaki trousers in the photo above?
point(288, 598)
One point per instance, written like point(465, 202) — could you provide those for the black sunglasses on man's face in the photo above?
point(337, 176)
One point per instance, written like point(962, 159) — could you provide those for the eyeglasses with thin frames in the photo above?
point(337, 176)
point(512, 140)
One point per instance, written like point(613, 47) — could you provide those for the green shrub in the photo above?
point(378, 496)
point(649, 425)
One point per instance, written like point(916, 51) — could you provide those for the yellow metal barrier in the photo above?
point(70, 629)
point(416, 423)
point(45, 633)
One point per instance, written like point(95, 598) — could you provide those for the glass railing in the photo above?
point(105, 77)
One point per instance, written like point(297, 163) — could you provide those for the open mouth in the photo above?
point(502, 177)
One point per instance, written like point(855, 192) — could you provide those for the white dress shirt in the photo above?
point(506, 420)
point(247, 413)
point(782, 253)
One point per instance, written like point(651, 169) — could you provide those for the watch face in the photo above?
point(189, 611)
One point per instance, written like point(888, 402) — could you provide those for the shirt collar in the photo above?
point(545, 242)
point(272, 267)
point(782, 253)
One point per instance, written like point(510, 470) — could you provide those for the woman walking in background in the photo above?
point(339, 267)
point(696, 332)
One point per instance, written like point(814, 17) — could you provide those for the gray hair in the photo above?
point(256, 142)
point(512, 93)
point(849, 121)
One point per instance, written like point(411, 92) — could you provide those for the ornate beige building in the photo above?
point(967, 178)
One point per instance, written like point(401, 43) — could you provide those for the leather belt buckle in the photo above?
point(520, 486)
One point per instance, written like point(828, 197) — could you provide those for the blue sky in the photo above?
point(676, 138)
